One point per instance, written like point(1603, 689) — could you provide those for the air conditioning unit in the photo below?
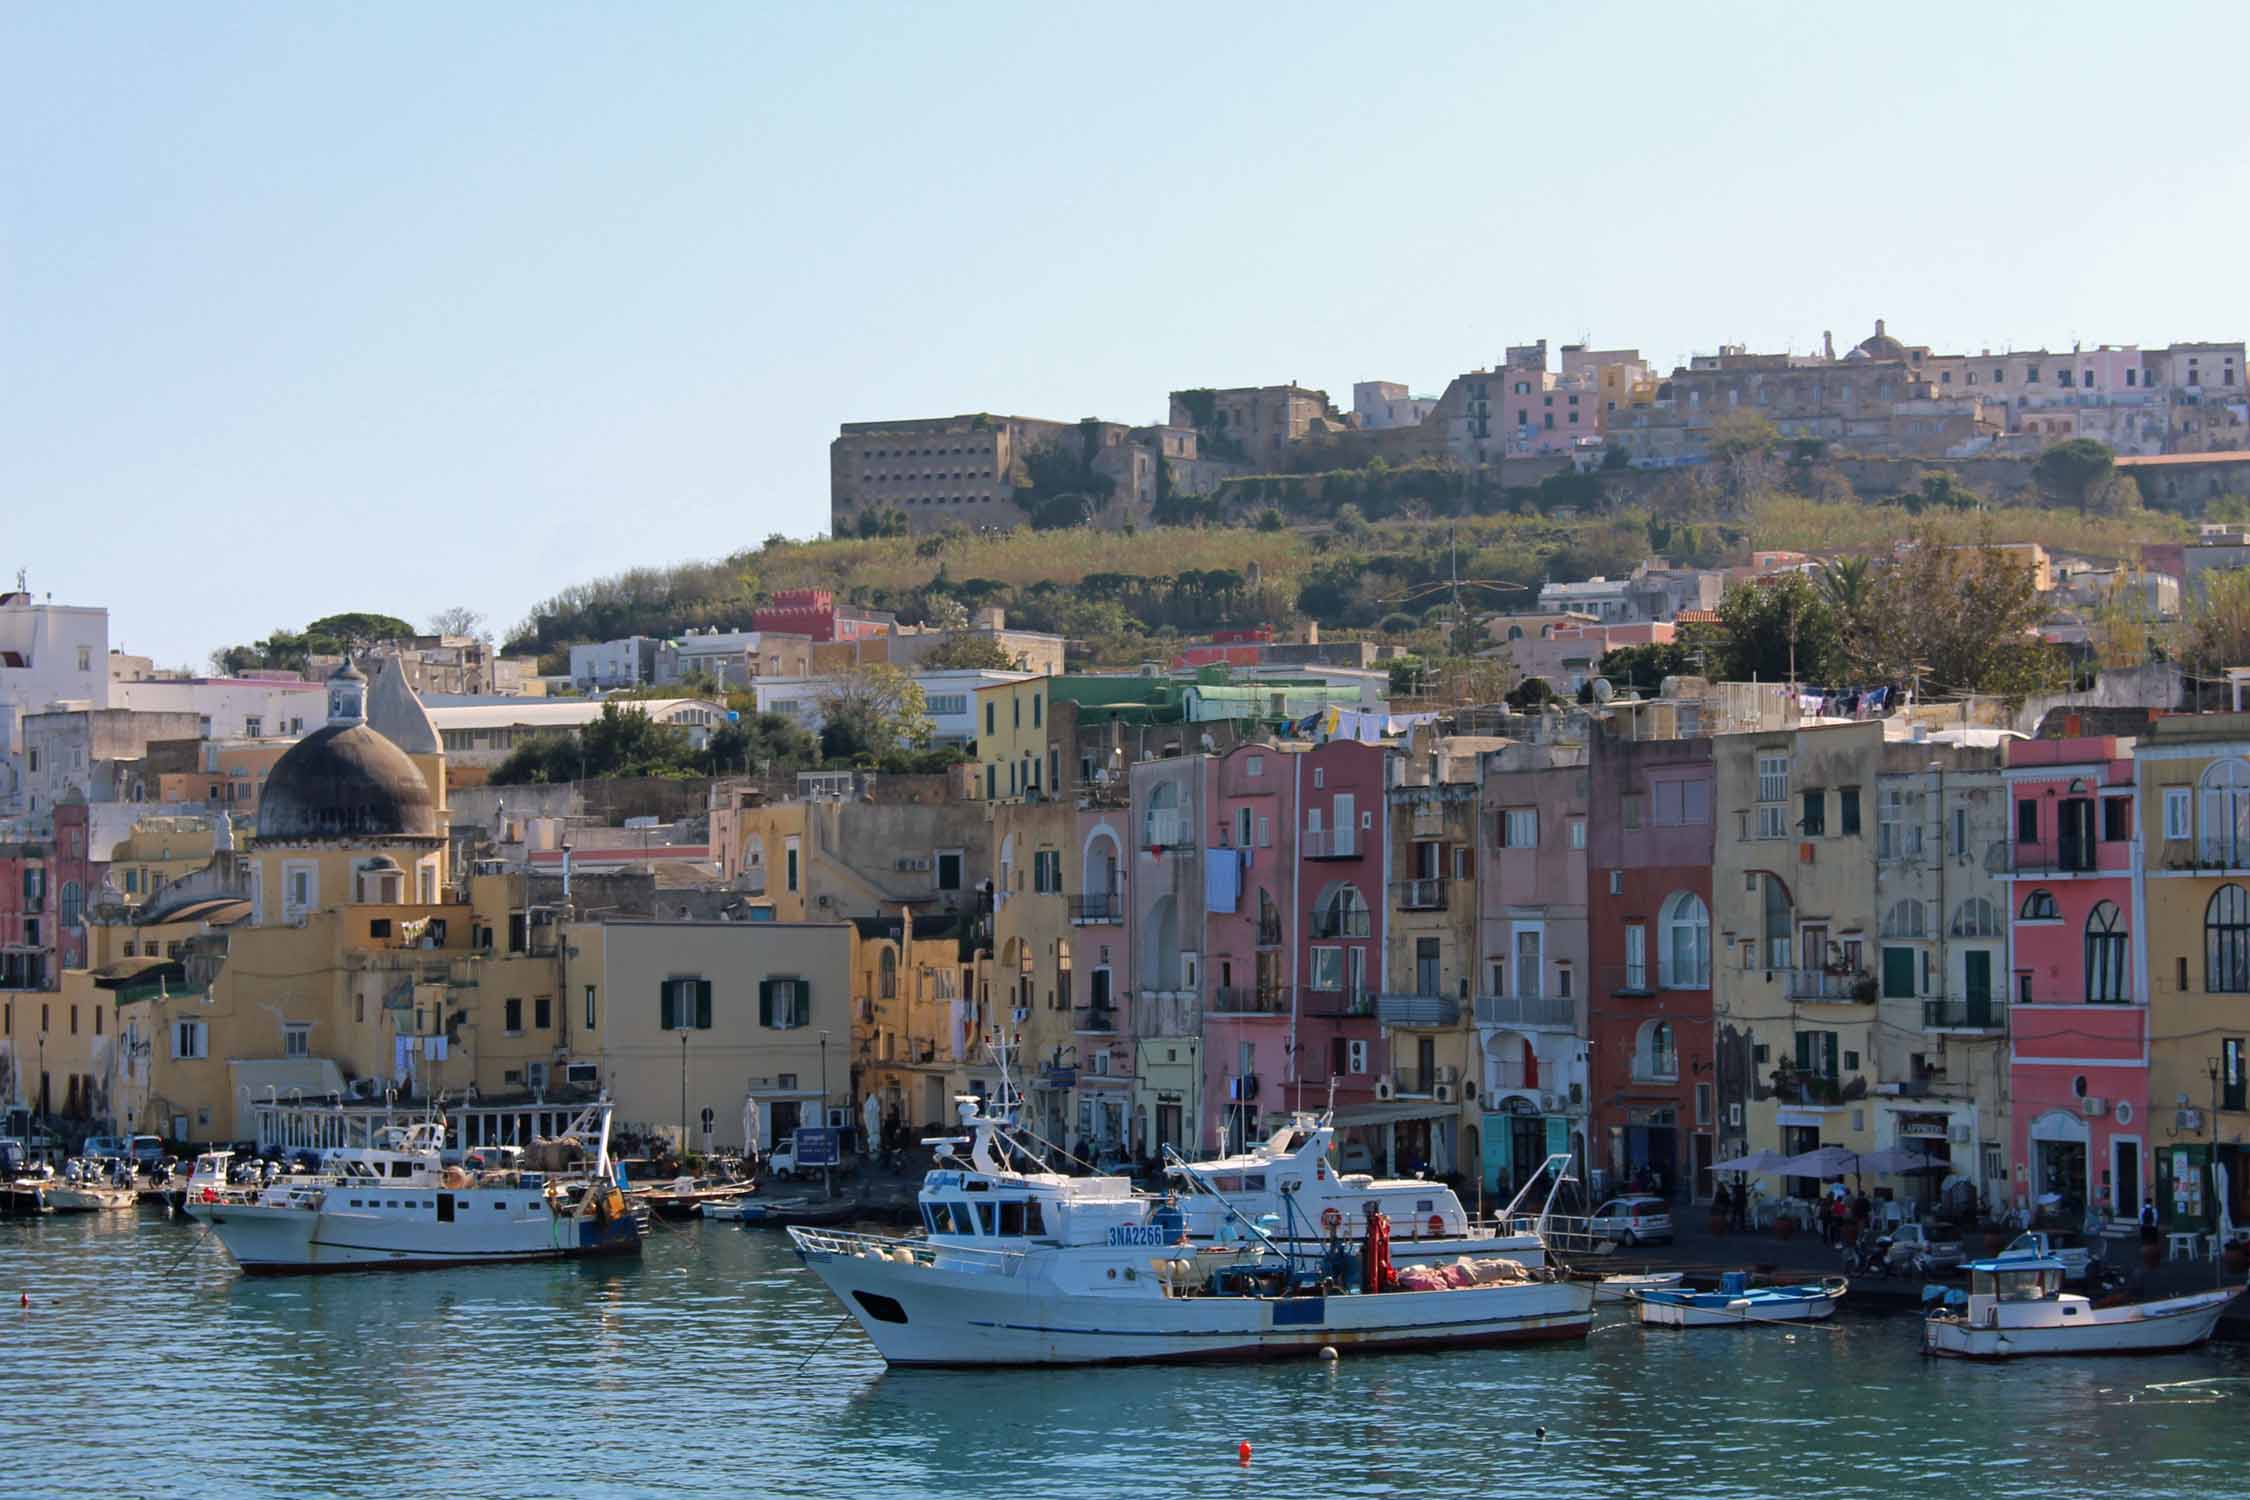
point(1384, 1089)
point(1020, 1014)
point(2091, 1106)
point(2188, 1119)
point(1958, 1134)
point(1448, 1074)
point(1445, 1093)
point(1551, 1103)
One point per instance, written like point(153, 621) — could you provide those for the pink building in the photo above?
point(1340, 887)
point(2078, 1074)
point(1250, 930)
point(1568, 655)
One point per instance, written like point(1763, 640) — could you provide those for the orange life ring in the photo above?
point(1331, 1220)
point(1437, 1225)
point(209, 1196)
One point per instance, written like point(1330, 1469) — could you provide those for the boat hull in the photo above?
point(2144, 1328)
point(1707, 1310)
point(925, 1316)
point(267, 1240)
point(73, 1198)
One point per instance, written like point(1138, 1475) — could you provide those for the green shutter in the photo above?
point(804, 1002)
point(667, 1018)
point(703, 1005)
point(1898, 973)
point(765, 1002)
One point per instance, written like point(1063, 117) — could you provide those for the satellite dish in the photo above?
point(1603, 692)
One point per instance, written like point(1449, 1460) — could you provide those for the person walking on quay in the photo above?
point(2148, 1221)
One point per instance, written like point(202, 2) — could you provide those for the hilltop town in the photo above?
point(1785, 751)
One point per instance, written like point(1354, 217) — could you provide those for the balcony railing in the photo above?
point(1166, 828)
point(1417, 1010)
point(1849, 988)
point(1527, 1010)
point(1964, 1015)
point(1269, 933)
point(1427, 894)
point(1329, 843)
point(1102, 909)
point(1337, 1002)
point(1338, 922)
point(2072, 858)
point(1236, 1001)
point(1095, 1018)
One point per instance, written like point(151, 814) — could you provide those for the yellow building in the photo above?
point(160, 850)
point(1012, 755)
point(2192, 777)
point(917, 1030)
point(58, 1052)
point(1432, 930)
point(1062, 1048)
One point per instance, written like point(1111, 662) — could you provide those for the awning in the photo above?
point(310, 1078)
point(145, 968)
point(217, 910)
point(1796, 1115)
point(1391, 1114)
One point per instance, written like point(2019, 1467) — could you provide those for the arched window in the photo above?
point(1976, 918)
point(2226, 941)
point(886, 970)
point(2105, 954)
point(73, 903)
point(1342, 913)
point(2224, 793)
point(2039, 906)
point(1686, 936)
point(1654, 1057)
point(1904, 920)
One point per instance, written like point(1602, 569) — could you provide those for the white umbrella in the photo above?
point(749, 1124)
point(2219, 1186)
point(1899, 1161)
point(1827, 1162)
point(872, 1113)
point(1756, 1164)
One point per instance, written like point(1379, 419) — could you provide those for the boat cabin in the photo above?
point(2016, 1280)
point(1292, 1175)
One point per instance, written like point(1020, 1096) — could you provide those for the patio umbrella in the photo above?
point(2219, 1188)
point(1827, 1162)
point(1900, 1161)
point(1756, 1164)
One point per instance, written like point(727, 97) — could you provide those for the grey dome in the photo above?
point(345, 781)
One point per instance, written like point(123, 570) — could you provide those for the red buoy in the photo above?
point(1242, 1452)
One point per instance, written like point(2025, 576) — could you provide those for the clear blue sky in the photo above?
point(306, 308)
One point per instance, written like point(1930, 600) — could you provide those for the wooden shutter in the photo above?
point(703, 1004)
point(667, 1012)
point(765, 1002)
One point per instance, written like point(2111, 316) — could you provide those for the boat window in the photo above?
point(498, 1205)
point(402, 1169)
point(1254, 1182)
point(964, 1222)
point(988, 1214)
point(1011, 1217)
point(1034, 1221)
point(930, 1220)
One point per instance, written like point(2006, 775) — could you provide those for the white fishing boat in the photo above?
point(1026, 1267)
point(396, 1205)
point(86, 1192)
point(1626, 1288)
point(2017, 1307)
point(1738, 1304)
point(1289, 1184)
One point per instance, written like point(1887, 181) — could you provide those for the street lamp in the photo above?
point(828, 1170)
point(683, 1101)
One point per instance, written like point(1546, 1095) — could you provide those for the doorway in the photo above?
point(2125, 1177)
point(1976, 985)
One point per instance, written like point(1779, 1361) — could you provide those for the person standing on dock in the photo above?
point(2148, 1221)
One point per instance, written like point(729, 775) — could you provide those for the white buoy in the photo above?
point(1328, 1353)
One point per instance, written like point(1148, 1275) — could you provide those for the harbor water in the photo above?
point(145, 1366)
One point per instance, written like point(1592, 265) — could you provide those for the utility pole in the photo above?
point(828, 1170)
point(683, 1099)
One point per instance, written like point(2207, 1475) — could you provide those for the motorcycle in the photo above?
point(1869, 1255)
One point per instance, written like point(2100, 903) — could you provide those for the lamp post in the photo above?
point(683, 1100)
point(827, 1171)
point(2212, 1172)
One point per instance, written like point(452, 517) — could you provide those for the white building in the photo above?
point(482, 734)
point(1386, 403)
point(627, 662)
point(279, 706)
point(949, 697)
point(49, 654)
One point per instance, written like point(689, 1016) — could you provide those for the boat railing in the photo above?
point(919, 1252)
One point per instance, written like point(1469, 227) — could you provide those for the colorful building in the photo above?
point(2078, 1013)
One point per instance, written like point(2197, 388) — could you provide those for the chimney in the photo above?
point(1828, 345)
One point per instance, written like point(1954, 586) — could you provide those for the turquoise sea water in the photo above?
point(145, 1366)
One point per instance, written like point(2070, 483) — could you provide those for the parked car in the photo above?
point(145, 1150)
point(1632, 1221)
point(103, 1147)
point(2075, 1251)
point(1938, 1248)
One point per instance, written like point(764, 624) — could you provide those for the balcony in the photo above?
point(1338, 922)
point(1166, 828)
point(1983, 1016)
point(1100, 1020)
point(1102, 909)
point(1417, 1010)
point(2073, 857)
point(1269, 933)
point(1419, 895)
point(1329, 843)
point(1236, 1001)
point(1553, 1011)
point(1821, 986)
point(1337, 1002)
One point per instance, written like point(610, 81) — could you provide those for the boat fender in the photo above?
point(209, 1196)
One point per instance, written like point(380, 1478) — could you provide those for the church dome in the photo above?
point(1881, 345)
point(345, 782)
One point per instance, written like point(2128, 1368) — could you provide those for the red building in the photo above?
point(1343, 853)
point(814, 612)
point(27, 918)
point(1649, 1007)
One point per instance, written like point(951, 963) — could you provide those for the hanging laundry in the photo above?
point(1222, 880)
